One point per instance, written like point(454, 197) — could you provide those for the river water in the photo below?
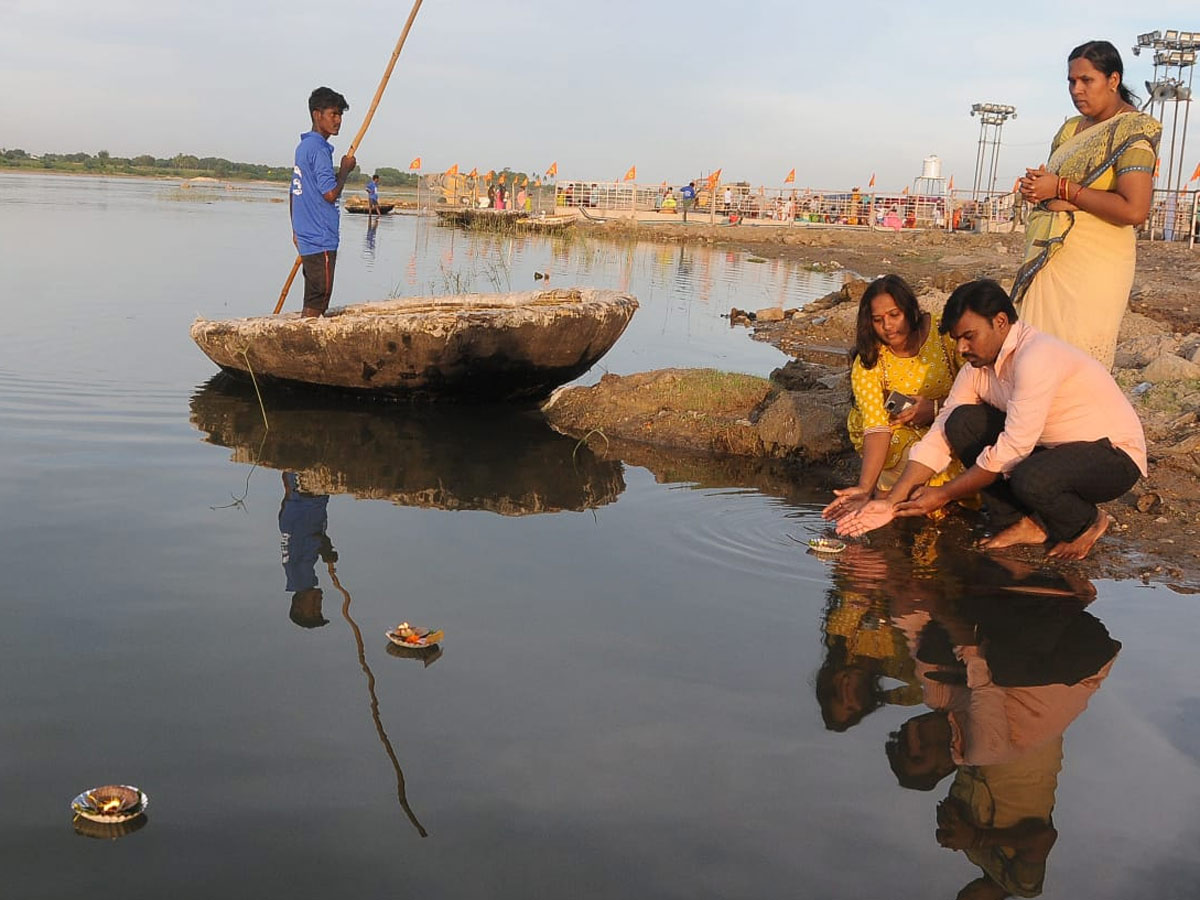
point(627, 701)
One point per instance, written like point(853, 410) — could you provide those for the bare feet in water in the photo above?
point(1082, 545)
point(1025, 531)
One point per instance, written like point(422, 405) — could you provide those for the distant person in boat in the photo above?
point(373, 195)
point(1046, 432)
point(314, 196)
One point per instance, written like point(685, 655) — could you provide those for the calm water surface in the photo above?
point(627, 701)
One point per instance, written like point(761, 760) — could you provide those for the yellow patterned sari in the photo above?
point(1078, 269)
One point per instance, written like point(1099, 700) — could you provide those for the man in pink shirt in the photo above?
point(1044, 430)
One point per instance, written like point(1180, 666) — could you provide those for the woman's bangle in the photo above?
point(1078, 191)
point(1061, 193)
point(935, 408)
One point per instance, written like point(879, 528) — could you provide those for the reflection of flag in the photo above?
point(474, 173)
point(871, 183)
point(453, 170)
point(791, 177)
point(1195, 174)
point(631, 174)
point(553, 170)
point(415, 164)
point(714, 179)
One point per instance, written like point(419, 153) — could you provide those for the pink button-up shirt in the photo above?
point(1052, 394)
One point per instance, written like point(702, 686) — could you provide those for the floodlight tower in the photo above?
point(1174, 68)
point(992, 117)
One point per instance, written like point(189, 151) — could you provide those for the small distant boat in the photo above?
point(361, 206)
point(517, 346)
point(546, 223)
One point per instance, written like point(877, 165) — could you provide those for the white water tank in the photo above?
point(932, 168)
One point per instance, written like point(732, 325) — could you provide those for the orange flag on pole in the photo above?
point(905, 191)
point(871, 183)
point(631, 174)
point(474, 173)
point(1016, 185)
point(415, 164)
point(950, 185)
point(453, 170)
point(714, 179)
point(502, 176)
point(1195, 174)
point(553, 170)
point(791, 177)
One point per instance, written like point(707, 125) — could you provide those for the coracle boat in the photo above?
point(361, 206)
point(516, 346)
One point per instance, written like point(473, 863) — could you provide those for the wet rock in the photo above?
point(948, 281)
point(1170, 368)
point(853, 290)
point(1141, 351)
point(810, 425)
point(1148, 502)
point(797, 375)
point(701, 410)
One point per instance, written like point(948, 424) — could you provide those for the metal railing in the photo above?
point(1174, 216)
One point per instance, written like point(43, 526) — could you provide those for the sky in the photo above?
point(837, 90)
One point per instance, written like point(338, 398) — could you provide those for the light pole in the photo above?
point(992, 117)
point(1174, 67)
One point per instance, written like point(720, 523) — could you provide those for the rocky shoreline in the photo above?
point(799, 414)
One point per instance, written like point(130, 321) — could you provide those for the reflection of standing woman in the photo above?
point(1091, 194)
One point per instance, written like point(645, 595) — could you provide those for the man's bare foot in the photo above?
point(1026, 531)
point(1082, 545)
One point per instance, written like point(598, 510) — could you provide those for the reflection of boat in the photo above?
point(478, 346)
point(361, 206)
point(507, 461)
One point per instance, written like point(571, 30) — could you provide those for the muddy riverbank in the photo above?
point(1157, 531)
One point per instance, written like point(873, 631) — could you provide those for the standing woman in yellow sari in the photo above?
point(1090, 195)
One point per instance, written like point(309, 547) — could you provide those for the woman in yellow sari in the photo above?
point(897, 349)
point(1090, 195)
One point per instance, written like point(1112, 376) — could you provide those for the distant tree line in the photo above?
point(182, 165)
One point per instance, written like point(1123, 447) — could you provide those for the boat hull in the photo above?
point(471, 347)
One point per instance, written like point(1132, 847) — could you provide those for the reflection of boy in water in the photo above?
point(302, 523)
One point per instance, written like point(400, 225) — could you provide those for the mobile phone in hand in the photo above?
point(895, 403)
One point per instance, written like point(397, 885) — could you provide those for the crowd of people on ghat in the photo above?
point(1008, 401)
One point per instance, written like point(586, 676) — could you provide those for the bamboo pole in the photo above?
point(387, 73)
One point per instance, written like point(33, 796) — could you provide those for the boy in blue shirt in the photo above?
point(313, 198)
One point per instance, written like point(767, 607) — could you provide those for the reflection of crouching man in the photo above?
point(1049, 431)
